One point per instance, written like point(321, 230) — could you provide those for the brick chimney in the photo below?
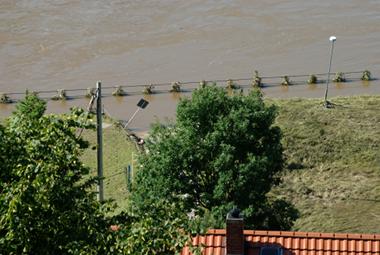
point(235, 235)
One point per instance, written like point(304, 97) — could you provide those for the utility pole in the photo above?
point(99, 130)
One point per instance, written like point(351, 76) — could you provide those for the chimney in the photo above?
point(235, 235)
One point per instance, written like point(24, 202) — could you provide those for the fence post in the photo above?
point(128, 176)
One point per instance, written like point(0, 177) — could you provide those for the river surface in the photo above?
point(67, 44)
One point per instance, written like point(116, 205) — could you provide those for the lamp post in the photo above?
point(332, 40)
point(140, 105)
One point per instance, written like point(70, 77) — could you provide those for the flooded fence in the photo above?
point(187, 86)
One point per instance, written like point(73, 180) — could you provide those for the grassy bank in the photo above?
point(333, 163)
point(117, 155)
point(333, 155)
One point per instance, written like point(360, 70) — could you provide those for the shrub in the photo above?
point(256, 81)
point(4, 99)
point(203, 83)
point(231, 84)
point(366, 76)
point(61, 95)
point(285, 81)
point(119, 92)
point(148, 90)
point(339, 77)
point(312, 79)
point(176, 87)
point(90, 92)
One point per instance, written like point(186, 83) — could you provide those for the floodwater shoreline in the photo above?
point(46, 46)
point(162, 106)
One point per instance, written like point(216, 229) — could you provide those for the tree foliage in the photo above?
point(222, 152)
point(47, 199)
point(158, 227)
point(46, 205)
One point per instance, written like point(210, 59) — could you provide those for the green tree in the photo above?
point(222, 152)
point(46, 204)
point(158, 227)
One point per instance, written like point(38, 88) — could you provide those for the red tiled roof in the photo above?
point(292, 243)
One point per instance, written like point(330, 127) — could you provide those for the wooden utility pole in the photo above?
point(99, 130)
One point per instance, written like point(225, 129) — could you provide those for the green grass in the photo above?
point(333, 163)
point(117, 155)
point(332, 174)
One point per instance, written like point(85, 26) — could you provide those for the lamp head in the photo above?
point(332, 38)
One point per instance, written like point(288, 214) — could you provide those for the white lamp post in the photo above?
point(332, 40)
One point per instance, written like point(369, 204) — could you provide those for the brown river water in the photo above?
point(67, 44)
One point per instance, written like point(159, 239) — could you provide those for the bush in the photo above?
point(176, 87)
point(119, 92)
point(339, 77)
point(312, 79)
point(90, 92)
point(61, 95)
point(256, 81)
point(4, 99)
point(231, 85)
point(366, 76)
point(285, 81)
point(148, 89)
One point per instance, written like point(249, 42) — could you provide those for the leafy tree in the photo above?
point(222, 152)
point(158, 227)
point(46, 206)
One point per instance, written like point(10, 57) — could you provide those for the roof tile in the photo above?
point(327, 244)
point(376, 246)
point(311, 244)
point(296, 243)
point(288, 242)
point(343, 245)
point(351, 245)
point(319, 245)
point(303, 244)
point(293, 243)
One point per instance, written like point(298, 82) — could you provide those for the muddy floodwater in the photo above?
point(66, 44)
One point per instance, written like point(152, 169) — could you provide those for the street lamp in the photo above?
point(140, 105)
point(332, 40)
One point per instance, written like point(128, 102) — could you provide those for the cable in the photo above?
point(115, 174)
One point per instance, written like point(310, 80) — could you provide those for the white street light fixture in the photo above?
point(332, 40)
point(140, 105)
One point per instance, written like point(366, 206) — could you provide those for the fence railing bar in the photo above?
point(181, 83)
